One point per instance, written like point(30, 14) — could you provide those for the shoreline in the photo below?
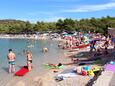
point(32, 37)
point(25, 36)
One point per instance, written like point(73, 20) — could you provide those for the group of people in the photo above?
point(11, 60)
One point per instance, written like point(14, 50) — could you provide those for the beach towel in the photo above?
point(110, 67)
point(68, 73)
point(52, 67)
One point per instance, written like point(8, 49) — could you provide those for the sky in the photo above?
point(52, 10)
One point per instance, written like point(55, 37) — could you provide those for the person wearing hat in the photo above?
point(11, 60)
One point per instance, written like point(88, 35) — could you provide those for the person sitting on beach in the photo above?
point(11, 58)
point(29, 60)
point(74, 60)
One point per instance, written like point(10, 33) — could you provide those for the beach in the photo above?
point(39, 75)
point(57, 43)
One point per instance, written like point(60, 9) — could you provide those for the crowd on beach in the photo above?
point(95, 43)
point(98, 45)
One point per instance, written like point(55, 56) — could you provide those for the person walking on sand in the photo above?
point(11, 59)
point(29, 60)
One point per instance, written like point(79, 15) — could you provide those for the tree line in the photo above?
point(98, 25)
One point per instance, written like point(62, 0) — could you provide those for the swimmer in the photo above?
point(45, 50)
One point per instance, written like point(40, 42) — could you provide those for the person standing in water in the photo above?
point(11, 59)
point(29, 60)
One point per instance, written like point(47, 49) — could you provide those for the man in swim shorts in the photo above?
point(11, 59)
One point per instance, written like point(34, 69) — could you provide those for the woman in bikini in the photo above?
point(29, 60)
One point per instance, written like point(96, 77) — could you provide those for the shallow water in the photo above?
point(54, 55)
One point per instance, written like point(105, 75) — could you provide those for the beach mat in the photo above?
point(22, 71)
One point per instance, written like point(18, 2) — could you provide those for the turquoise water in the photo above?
point(54, 54)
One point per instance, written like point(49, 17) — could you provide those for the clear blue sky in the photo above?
point(52, 10)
